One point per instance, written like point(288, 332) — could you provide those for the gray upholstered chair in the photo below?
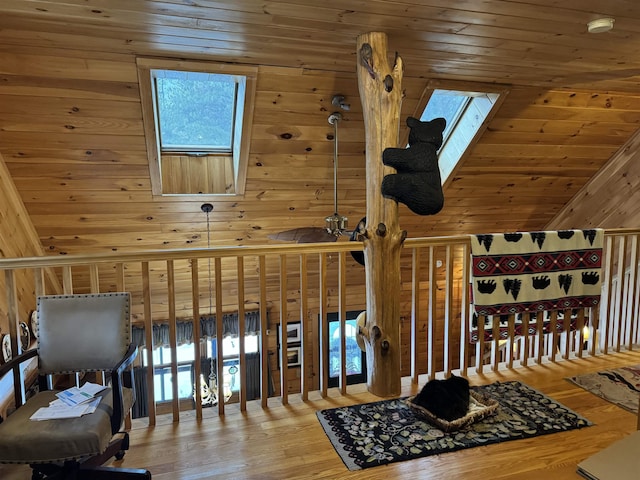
point(77, 334)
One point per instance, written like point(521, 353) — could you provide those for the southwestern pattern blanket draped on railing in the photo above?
point(527, 272)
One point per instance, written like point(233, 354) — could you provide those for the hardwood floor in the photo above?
point(288, 441)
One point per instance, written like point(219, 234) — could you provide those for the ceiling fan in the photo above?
point(336, 224)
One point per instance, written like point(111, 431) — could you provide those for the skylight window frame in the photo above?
point(241, 131)
point(197, 149)
point(473, 91)
point(450, 129)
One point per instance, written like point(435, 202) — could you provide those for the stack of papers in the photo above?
point(71, 403)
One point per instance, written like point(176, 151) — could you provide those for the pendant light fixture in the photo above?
point(336, 224)
point(209, 390)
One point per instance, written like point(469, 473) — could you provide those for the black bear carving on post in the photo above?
point(417, 181)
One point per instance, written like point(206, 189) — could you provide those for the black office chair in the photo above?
point(77, 334)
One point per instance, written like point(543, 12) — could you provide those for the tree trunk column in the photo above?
point(380, 87)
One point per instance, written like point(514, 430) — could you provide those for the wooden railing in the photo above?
point(306, 282)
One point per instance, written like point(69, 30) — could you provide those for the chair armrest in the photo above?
point(15, 362)
point(15, 365)
point(117, 383)
point(127, 360)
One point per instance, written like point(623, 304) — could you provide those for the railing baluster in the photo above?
point(465, 313)
point(67, 280)
point(284, 387)
point(264, 346)
point(219, 334)
point(622, 251)
point(566, 330)
point(148, 330)
point(12, 314)
point(94, 278)
point(119, 273)
point(495, 344)
point(173, 339)
point(510, 340)
point(241, 335)
point(553, 326)
point(448, 309)
point(594, 321)
point(304, 326)
point(480, 344)
point(324, 327)
point(539, 336)
point(608, 290)
point(633, 301)
point(431, 323)
point(579, 332)
point(415, 312)
point(342, 313)
point(94, 285)
point(197, 355)
point(38, 282)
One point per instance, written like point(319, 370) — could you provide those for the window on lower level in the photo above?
point(356, 364)
point(197, 121)
point(163, 386)
point(162, 383)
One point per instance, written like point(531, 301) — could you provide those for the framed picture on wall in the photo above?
point(294, 356)
point(293, 332)
point(293, 337)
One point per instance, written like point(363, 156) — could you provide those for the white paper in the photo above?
point(75, 396)
point(58, 409)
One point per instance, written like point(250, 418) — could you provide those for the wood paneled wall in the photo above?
point(18, 238)
point(611, 199)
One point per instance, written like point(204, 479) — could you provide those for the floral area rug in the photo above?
point(388, 431)
point(620, 386)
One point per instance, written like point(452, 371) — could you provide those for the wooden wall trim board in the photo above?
point(238, 172)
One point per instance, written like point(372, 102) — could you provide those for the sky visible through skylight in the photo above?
point(447, 105)
point(465, 114)
point(196, 110)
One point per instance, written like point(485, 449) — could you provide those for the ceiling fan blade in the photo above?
point(304, 235)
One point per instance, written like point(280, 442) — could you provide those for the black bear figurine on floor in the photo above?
point(417, 183)
point(446, 399)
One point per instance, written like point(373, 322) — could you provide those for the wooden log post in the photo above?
point(380, 87)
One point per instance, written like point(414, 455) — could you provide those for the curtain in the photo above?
point(139, 409)
point(253, 377)
point(184, 329)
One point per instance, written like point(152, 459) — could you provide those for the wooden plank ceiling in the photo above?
point(71, 124)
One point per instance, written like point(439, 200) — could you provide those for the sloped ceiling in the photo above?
point(71, 124)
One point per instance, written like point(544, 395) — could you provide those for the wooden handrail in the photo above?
point(233, 251)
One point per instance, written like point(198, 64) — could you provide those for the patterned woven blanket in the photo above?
point(536, 271)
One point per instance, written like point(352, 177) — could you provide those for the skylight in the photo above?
point(197, 121)
point(465, 113)
point(196, 111)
